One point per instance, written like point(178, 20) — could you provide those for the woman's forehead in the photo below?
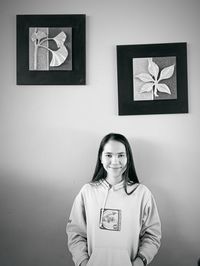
point(114, 146)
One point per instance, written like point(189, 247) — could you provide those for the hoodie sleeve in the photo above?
point(150, 235)
point(76, 231)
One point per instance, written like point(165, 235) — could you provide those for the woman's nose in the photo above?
point(115, 159)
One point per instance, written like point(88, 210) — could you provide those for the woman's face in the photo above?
point(114, 158)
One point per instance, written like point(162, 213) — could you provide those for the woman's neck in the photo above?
point(113, 180)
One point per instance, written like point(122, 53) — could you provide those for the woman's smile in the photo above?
point(114, 160)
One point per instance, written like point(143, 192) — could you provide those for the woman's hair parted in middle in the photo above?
point(129, 176)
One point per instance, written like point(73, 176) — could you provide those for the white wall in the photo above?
point(50, 134)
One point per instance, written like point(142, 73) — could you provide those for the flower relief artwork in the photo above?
point(50, 49)
point(154, 78)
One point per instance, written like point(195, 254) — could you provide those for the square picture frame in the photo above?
point(51, 49)
point(152, 78)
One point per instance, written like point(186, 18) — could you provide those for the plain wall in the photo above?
point(49, 135)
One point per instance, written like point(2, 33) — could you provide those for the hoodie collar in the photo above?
point(107, 185)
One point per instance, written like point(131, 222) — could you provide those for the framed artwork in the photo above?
point(51, 49)
point(152, 79)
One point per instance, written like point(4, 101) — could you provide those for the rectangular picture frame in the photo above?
point(152, 78)
point(51, 49)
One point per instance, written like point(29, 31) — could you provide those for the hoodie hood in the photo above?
point(121, 185)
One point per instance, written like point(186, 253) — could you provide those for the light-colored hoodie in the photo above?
point(108, 227)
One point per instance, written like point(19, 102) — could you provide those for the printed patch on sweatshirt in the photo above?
point(110, 219)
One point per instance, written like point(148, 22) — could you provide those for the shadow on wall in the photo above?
point(35, 201)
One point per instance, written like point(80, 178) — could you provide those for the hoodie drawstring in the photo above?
point(104, 205)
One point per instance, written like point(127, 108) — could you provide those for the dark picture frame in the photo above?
point(152, 79)
point(66, 65)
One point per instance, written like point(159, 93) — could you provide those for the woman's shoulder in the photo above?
point(85, 187)
point(83, 191)
point(88, 186)
point(140, 189)
point(144, 188)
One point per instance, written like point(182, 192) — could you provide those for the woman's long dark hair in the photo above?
point(129, 176)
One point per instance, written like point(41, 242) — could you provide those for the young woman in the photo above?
point(114, 219)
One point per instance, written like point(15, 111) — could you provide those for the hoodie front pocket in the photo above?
point(109, 257)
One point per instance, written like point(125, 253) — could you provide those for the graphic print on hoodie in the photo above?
point(109, 227)
point(110, 219)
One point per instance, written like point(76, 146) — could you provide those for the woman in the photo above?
point(114, 219)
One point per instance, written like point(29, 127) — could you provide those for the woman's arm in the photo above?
point(76, 231)
point(150, 235)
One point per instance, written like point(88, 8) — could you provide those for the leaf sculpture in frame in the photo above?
point(152, 79)
point(58, 56)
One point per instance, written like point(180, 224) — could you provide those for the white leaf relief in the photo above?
point(153, 68)
point(163, 88)
point(167, 72)
point(60, 39)
point(147, 87)
point(145, 77)
point(151, 81)
point(38, 35)
point(59, 56)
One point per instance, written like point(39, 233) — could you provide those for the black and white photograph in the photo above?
point(99, 138)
